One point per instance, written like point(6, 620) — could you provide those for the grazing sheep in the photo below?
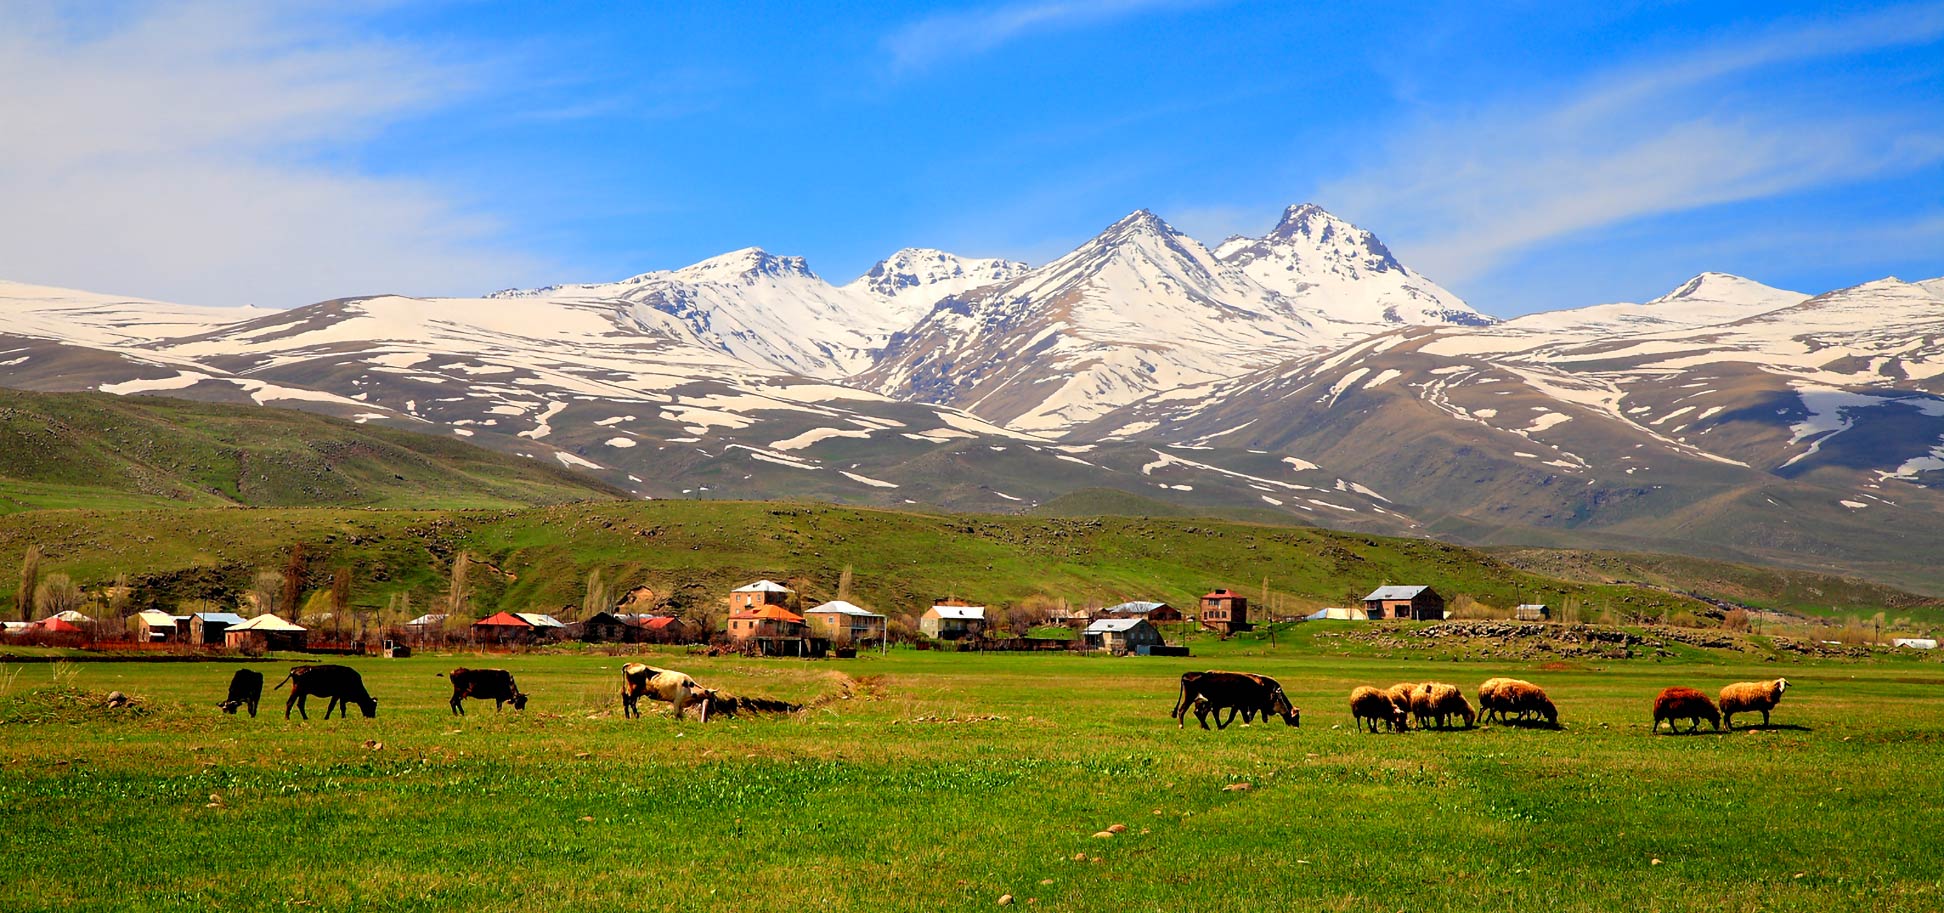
point(1369, 706)
point(1488, 703)
point(1400, 694)
point(1680, 703)
point(1525, 699)
point(1749, 697)
point(1439, 702)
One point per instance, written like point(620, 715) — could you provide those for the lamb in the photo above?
point(1749, 697)
point(1679, 703)
point(1370, 706)
point(1440, 702)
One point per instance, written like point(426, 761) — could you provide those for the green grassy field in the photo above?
point(949, 780)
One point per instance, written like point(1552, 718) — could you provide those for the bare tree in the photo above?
point(57, 594)
point(29, 582)
point(458, 592)
point(293, 578)
point(265, 589)
point(844, 584)
point(598, 597)
point(340, 599)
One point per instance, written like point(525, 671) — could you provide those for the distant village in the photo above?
point(764, 618)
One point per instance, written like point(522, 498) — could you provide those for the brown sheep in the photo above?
point(1369, 706)
point(1488, 700)
point(1749, 697)
point(1525, 699)
point(1400, 694)
point(1678, 703)
point(1438, 701)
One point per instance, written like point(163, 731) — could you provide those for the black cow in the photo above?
point(1232, 691)
point(494, 685)
point(246, 687)
point(339, 683)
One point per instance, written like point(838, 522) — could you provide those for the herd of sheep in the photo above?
point(1508, 700)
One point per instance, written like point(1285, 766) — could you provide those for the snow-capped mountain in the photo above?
point(915, 278)
point(1142, 308)
point(1319, 262)
point(1705, 300)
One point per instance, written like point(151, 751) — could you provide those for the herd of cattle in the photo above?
point(1440, 705)
point(1427, 704)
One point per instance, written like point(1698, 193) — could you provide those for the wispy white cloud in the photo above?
point(927, 41)
point(1460, 195)
point(196, 152)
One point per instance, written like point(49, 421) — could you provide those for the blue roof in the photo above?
point(228, 618)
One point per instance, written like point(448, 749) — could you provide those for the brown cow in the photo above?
point(494, 685)
point(1233, 691)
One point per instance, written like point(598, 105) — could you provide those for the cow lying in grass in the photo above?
point(341, 684)
point(494, 685)
point(1242, 692)
point(666, 685)
point(246, 688)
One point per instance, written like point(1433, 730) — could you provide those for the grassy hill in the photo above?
point(68, 450)
point(691, 553)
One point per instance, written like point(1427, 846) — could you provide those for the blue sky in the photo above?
point(1527, 157)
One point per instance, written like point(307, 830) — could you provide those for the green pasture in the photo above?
point(945, 781)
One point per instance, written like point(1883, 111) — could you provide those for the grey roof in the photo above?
point(764, 586)
point(961, 612)
point(840, 607)
point(434, 618)
point(227, 618)
point(1114, 625)
point(1395, 592)
point(1133, 608)
point(1533, 605)
point(539, 620)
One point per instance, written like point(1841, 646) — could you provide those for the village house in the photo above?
point(545, 627)
point(950, 619)
point(264, 633)
point(843, 623)
point(1532, 612)
point(158, 627)
point(607, 628)
point(766, 621)
point(1122, 635)
point(1419, 603)
point(503, 628)
point(1225, 612)
point(1072, 618)
point(206, 628)
point(758, 594)
point(668, 629)
point(1155, 612)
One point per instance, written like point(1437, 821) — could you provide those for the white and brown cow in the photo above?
point(666, 685)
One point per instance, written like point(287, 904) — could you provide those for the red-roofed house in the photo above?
point(503, 628)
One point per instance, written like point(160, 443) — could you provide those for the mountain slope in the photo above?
point(96, 450)
point(1319, 262)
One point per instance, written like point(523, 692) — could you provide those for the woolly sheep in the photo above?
point(1369, 706)
point(1678, 703)
point(1750, 697)
point(1488, 700)
point(1525, 699)
point(1440, 702)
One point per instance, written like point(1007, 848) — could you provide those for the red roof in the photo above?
point(57, 626)
point(503, 620)
point(769, 611)
point(656, 624)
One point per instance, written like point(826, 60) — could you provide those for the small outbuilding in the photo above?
point(1420, 603)
point(1338, 614)
point(1121, 635)
point(841, 623)
point(266, 632)
point(206, 628)
point(1532, 612)
point(1914, 643)
point(1225, 612)
point(953, 621)
point(545, 627)
point(158, 627)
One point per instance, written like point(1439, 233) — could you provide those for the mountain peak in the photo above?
point(928, 274)
point(746, 263)
point(1729, 288)
point(1314, 226)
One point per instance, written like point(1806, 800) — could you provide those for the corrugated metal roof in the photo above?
point(540, 620)
point(764, 586)
point(71, 616)
point(1133, 608)
point(267, 623)
point(961, 612)
point(503, 620)
point(1395, 592)
point(1114, 625)
point(840, 607)
point(226, 618)
point(1533, 605)
point(432, 618)
point(156, 619)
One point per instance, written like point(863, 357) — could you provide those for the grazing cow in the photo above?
point(664, 685)
point(494, 685)
point(1232, 691)
point(339, 683)
point(246, 687)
